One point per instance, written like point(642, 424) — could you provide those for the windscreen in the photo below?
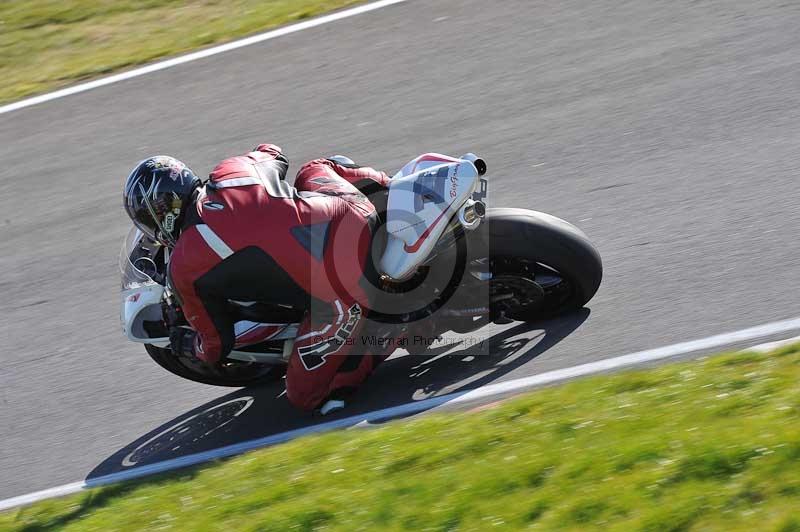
point(137, 261)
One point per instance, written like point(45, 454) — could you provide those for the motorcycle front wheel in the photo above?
point(234, 374)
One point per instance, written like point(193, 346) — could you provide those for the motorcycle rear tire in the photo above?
point(535, 237)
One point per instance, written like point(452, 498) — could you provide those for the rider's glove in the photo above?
point(182, 342)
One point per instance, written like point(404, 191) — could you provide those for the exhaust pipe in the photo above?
point(480, 164)
point(472, 214)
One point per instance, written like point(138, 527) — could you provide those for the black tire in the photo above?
point(234, 375)
point(537, 238)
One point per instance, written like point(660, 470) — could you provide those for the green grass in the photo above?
point(46, 44)
point(705, 445)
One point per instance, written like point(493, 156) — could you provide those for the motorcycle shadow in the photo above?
point(454, 366)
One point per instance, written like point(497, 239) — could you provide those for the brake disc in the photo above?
point(513, 293)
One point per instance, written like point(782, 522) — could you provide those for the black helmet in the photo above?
point(156, 196)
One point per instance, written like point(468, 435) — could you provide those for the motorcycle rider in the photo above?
point(247, 235)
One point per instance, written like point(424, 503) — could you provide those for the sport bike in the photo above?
point(441, 257)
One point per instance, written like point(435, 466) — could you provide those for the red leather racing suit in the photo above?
point(254, 237)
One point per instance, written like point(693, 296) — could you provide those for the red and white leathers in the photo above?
point(253, 237)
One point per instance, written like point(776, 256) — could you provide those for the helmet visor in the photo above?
point(163, 234)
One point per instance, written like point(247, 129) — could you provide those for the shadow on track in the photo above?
point(250, 413)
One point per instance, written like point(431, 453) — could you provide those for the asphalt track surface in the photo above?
point(667, 131)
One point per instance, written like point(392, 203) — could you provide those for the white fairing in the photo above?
point(423, 197)
point(140, 304)
point(143, 303)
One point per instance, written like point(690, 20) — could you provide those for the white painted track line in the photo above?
point(485, 392)
point(194, 56)
point(771, 346)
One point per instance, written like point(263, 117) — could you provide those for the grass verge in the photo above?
point(47, 44)
point(706, 445)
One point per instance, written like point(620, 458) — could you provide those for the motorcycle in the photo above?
point(439, 252)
